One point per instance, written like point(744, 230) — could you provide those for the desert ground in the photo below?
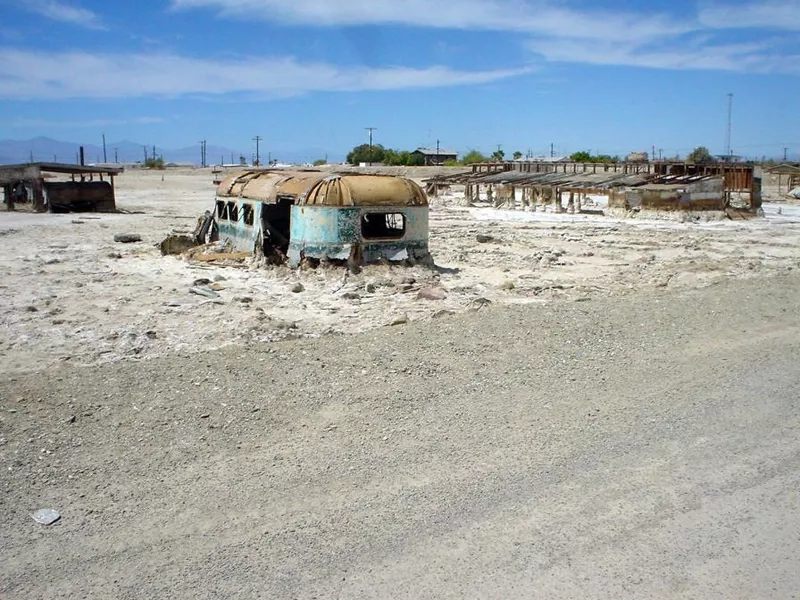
point(598, 407)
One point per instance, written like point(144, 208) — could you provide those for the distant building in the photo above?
point(433, 156)
point(729, 158)
point(637, 157)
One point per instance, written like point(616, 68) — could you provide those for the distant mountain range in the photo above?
point(42, 149)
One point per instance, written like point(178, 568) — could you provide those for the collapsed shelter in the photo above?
point(89, 189)
point(313, 215)
point(629, 186)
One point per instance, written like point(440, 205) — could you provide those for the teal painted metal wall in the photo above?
point(332, 232)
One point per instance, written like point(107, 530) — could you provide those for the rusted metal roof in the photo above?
point(65, 168)
point(268, 185)
point(365, 190)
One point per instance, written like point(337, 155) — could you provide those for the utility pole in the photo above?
point(116, 155)
point(31, 156)
point(728, 134)
point(370, 130)
point(202, 153)
point(552, 150)
point(105, 158)
point(257, 139)
point(660, 153)
point(785, 150)
point(145, 154)
point(437, 152)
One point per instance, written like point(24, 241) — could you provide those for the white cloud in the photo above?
point(525, 16)
point(26, 74)
point(753, 58)
point(66, 13)
point(770, 14)
point(561, 33)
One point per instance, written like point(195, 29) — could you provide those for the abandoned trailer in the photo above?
point(87, 190)
point(318, 216)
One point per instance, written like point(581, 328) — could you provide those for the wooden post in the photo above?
point(38, 195)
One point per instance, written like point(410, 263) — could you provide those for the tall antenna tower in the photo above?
point(728, 133)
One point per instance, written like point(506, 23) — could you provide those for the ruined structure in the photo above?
point(319, 216)
point(629, 185)
point(89, 188)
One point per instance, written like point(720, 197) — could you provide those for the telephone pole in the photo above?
point(105, 158)
point(116, 155)
point(257, 139)
point(370, 130)
point(728, 134)
point(552, 150)
point(203, 154)
point(785, 150)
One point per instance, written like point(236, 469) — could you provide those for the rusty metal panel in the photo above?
point(365, 190)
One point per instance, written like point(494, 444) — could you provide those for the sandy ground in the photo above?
point(599, 409)
point(643, 448)
point(70, 293)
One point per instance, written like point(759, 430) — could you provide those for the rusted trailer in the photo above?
point(313, 215)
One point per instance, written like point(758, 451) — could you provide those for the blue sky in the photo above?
point(309, 75)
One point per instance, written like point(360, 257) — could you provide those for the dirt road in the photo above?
point(638, 446)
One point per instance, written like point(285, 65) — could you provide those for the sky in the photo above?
point(308, 76)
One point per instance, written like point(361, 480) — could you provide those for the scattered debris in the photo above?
point(127, 238)
point(432, 293)
point(177, 243)
point(400, 320)
point(46, 516)
point(203, 291)
point(485, 239)
point(298, 287)
point(507, 285)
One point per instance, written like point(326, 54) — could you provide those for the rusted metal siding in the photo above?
point(80, 196)
point(242, 236)
point(365, 190)
point(336, 233)
point(708, 194)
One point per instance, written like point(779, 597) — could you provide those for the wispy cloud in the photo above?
point(66, 13)
point(525, 16)
point(752, 58)
point(770, 14)
point(559, 32)
point(41, 75)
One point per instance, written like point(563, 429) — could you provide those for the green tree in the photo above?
point(319, 162)
point(700, 155)
point(498, 156)
point(415, 160)
point(581, 156)
point(155, 163)
point(517, 155)
point(473, 156)
point(363, 154)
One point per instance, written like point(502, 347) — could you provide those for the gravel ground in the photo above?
point(642, 445)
